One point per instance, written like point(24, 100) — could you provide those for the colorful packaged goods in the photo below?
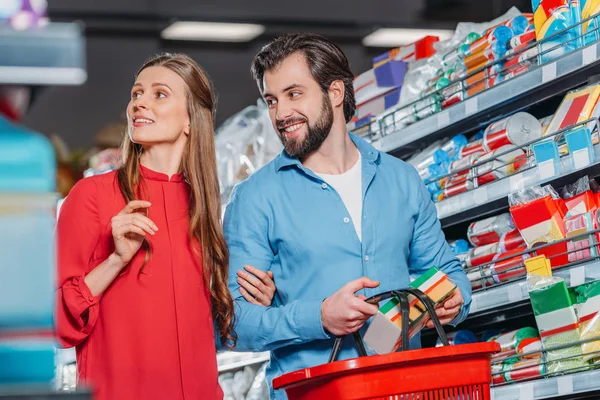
point(588, 298)
point(556, 321)
point(511, 268)
point(538, 213)
point(474, 147)
point(582, 247)
point(578, 105)
point(550, 18)
point(458, 247)
point(499, 34)
point(516, 130)
point(378, 105)
point(386, 75)
point(545, 122)
point(506, 161)
point(590, 8)
point(457, 186)
point(481, 255)
point(384, 332)
point(523, 39)
point(489, 230)
point(491, 52)
point(518, 24)
point(579, 198)
point(517, 370)
point(511, 240)
point(518, 342)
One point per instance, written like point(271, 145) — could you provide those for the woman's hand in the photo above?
point(257, 286)
point(129, 228)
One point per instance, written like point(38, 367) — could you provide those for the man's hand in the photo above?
point(344, 312)
point(449, 309)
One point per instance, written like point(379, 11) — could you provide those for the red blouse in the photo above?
point(150, 335)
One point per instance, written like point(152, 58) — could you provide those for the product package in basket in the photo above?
point(384, 333)
point(556, 320)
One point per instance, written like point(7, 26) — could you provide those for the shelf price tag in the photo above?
point(565, 385)
point(515, 293)
point(577, 276)
point(548, 72)
point(471, 106)
point(547, 159)
point(546, 169)
point(590, 54)
point(526, 391)
point(516, 182)
point(443, 119)
point(480, 195)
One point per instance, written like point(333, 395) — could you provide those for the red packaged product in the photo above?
point(511, 240)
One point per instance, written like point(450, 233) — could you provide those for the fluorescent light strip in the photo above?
point(212, 31)
point(391, 37)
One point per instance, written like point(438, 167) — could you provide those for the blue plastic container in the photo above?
point(27, 161)
point(26, 361)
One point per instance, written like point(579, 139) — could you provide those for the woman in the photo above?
point(142, 260)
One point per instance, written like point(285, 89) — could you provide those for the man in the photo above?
point(331, 217)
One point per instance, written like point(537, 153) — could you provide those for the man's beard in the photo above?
point(315, 136)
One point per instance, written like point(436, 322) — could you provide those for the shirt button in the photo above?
point(366, 258)
point(346, 220)
point(324, 186)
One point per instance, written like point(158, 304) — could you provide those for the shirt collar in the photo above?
point(149, 174)
point(367, 151)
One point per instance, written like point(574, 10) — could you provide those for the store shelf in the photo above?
point(493, 197)
point(541, 83)
point(54, 55)
point(231, 360)
point(20, 393)
point(498, 297)
point(567, 386)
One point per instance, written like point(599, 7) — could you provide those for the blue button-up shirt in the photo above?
point(284, 218)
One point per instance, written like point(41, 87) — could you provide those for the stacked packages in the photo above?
point(27, 217)
point(497, 256)
point(520, 358)
point(449, 168)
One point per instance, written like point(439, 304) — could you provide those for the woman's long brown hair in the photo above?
point(199, 167)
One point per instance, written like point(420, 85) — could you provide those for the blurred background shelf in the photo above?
point(54, 55)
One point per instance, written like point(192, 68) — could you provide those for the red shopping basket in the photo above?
point(461, 372)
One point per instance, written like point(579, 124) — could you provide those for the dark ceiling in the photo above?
point(121, 34)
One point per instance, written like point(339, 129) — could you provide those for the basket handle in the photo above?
point(402, 295)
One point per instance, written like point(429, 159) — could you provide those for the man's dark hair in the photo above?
point(326, 61)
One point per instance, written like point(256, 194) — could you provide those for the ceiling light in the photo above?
point(392, 37)
point(212, 31)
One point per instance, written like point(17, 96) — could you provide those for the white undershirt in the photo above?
point(349, 187)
